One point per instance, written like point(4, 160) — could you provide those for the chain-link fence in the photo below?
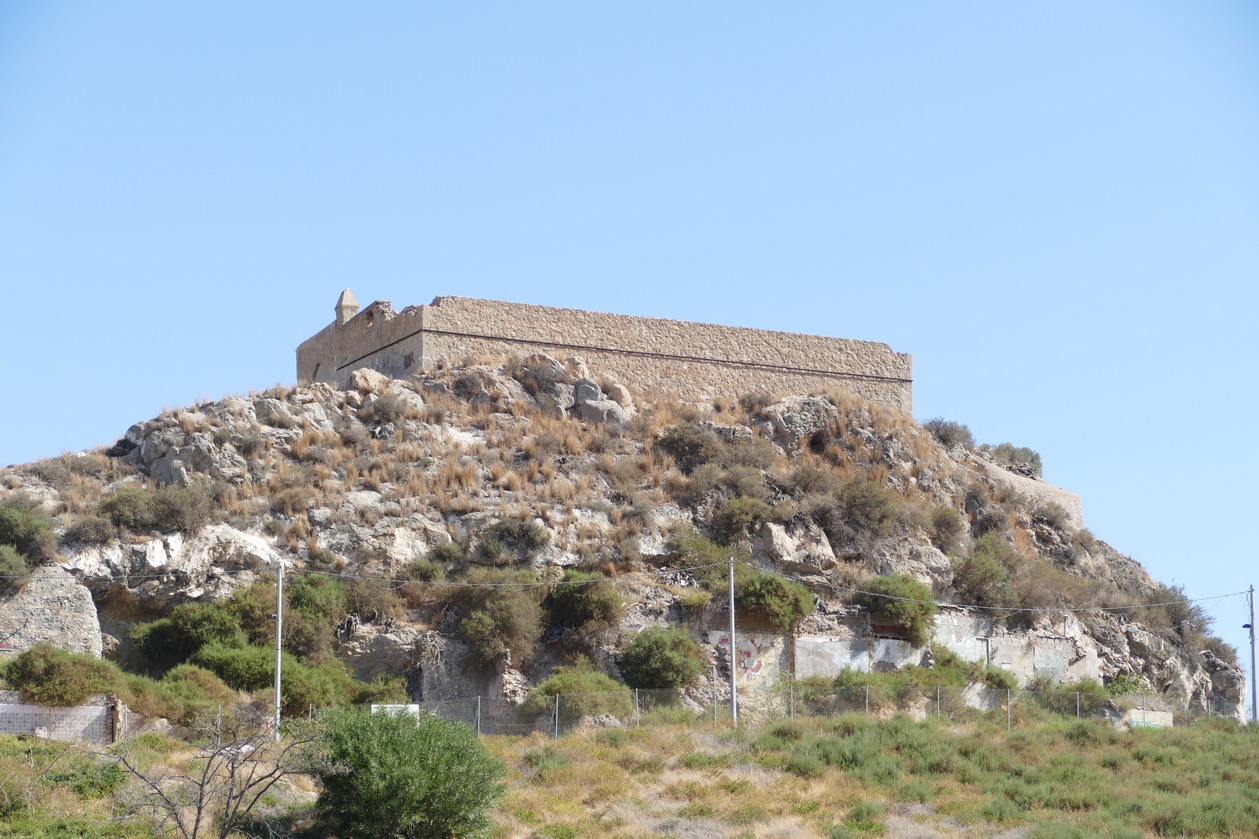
point(558, 714)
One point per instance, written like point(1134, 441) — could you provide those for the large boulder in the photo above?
point(796, 419)
point(53, 607)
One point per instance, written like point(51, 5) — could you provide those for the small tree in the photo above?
point(902, 600)
point(238, 763)
point(389, 775)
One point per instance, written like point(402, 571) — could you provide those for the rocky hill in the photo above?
point(451, 504)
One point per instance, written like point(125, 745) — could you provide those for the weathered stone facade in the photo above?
point(697, 360)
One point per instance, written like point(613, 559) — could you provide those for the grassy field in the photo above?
point(848, 776)
point(857, 776)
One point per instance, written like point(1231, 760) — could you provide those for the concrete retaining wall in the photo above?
point(102, 721)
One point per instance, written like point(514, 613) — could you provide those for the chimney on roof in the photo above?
point(347, 306)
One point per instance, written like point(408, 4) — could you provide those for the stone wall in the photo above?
point(695, 360)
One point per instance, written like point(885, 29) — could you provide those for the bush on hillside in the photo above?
point(169, 508)
point(583, 691)
point(46, 675)
point(585, 601)
point(92, 530)
point(784, 603)
point(25, 528)
point(14, 570)
point(1019, 457)
point(390, 775)
point(507, 618)
point(902, 600)
point(735, 515)
point(174, 639)
point(950, 434)
point(871, 505)
point(689, 444)
point(661, 657)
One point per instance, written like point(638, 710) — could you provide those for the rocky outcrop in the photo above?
point(544, 466)
point(52, 607)
point(164, 572)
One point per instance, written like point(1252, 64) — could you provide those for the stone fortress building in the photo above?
point(651, 354)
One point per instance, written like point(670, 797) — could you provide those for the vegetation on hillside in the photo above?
point(844, 776)
point(546, 518)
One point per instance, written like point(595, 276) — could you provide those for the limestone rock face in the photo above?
point(373, 650)
point(165, 572)
point(53, 607)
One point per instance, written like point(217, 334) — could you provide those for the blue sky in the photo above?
point(1053, 206)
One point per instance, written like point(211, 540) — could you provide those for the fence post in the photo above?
point(557, 716)
point(1009, 720)
point(937, 702)
point(791, 707)
point(867, 699)
point(635, 707)
point(478, 715)
point(1077, 704)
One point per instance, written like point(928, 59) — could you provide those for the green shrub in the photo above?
point(184, 695)
point(14, 570)
point(172, 640)
point(503, 619)
point(242, 668)
point(169, 508)
point(445, 553)
point(735, 515)
point(524, 534)
point(1022, 458)
point(388, 775)
point(253, 668)
point(661, 657)
point(947, 527)
point(690, 445)
point(902, 600)
point(585, 601)
point(583, 691)
point(46, 675)
point(870, 505)
point(291, 501)
point(783, 603)
point(94, 530)
point(130, 507)
point(25, 528)
point(950, 434)
point(184, 509)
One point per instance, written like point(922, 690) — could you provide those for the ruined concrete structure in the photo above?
point(696, 360)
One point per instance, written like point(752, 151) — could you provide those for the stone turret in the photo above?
point(347, 306)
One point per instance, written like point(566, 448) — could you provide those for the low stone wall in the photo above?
point(696, 360)
point(102, 721)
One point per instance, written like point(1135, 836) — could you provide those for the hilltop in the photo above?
point(471, 531)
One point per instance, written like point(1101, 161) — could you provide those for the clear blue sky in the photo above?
point(1053, 206)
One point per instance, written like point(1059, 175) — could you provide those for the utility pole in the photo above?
point(1254, 698)
point(279, 637)
point(734, 661)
